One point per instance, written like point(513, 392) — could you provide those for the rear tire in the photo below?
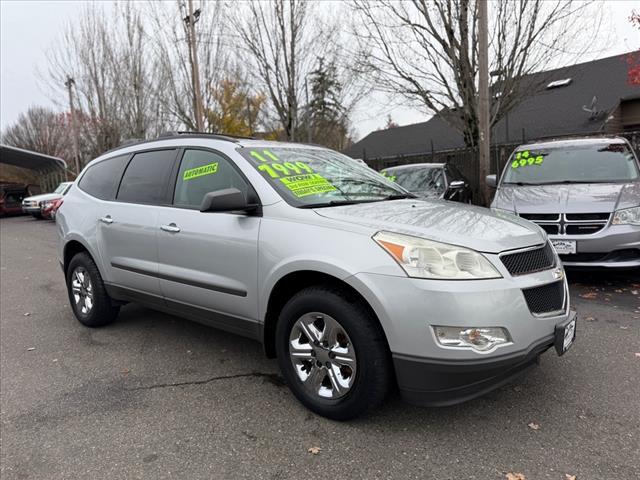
point(345, 369)
point(89, 300)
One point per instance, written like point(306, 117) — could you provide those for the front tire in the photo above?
point(332, 353)
point(89, 300)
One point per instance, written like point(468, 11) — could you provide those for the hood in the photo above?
point(449, 222)
point(44, 196)
point(577, 198)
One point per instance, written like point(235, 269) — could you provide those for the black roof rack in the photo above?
point(219, 136)
point(181, 134)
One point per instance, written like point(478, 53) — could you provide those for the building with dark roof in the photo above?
point(601, 96)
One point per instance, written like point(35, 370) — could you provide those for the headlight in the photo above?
point(481, 339)
point(628, 216)
point(423, 258)
point(502, 210)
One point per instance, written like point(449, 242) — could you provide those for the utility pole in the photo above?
point(190, 21)
point(306, 91)
point(74, 126)
point(483, 101)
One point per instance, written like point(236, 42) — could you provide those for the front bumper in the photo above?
point(431, 374)
point(615, 246)
point(441, 383)
point(31, 209)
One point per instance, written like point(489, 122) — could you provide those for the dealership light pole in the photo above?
point(483, 101)
point(74, 126)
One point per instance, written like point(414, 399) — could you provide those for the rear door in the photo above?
point(209, 260)
point(128, 226)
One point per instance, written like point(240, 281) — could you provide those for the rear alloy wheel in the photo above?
point(333, 353)
point(88, 297)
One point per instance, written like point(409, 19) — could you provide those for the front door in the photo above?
point(209, 260)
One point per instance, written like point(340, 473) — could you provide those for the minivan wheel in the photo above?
point(332, 353)
point(89, 299)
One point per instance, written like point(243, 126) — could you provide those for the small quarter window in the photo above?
point(101, 180)
point(145, 179)
point(202, 172)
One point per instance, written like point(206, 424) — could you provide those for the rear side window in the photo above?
point(202, 172)
point(146, 176)
point(101, 180)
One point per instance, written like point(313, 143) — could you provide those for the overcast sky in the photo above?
point(29, 28)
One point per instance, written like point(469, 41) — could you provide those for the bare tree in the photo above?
point(41, 130)
point(282, 41)
point(108, 54)
point(426, 50)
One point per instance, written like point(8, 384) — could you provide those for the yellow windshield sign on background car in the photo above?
point(526, 158)
point(192, 173)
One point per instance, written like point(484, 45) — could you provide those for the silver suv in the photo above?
point(351, 282)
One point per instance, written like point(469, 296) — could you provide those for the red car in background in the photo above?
point(11, 196)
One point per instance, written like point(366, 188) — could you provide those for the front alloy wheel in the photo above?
point(322, 355)
point(332, 352)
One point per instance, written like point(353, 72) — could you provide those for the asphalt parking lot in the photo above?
point(155, 396)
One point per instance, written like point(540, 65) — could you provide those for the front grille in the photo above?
point(569, 223)
point(587, 216)
point(548, 217)
point(529, 261)
point(581, 229)
point(550, 229)
point(545, 299)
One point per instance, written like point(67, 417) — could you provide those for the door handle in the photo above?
point(106, 219)
point(172, 227)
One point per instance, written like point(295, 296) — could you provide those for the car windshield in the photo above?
point(313, 177)
point(602, 163)
point(61, 188)
point(417, 179)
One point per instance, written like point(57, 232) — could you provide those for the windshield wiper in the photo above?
point(399, 196)
point(336, 203)
point(520, 184)
point(567, 182)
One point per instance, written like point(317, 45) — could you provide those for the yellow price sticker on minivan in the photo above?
point(526, 158)
point(192, 173)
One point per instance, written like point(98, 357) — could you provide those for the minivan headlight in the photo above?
point(628, 216)
point(423, 258)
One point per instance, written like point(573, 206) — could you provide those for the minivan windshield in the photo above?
point(601, 163)
point(418, 179)
point(314, 177)
point(62, 188)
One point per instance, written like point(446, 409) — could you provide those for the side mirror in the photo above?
point(456, 184)
point(227, 200)
point(491, 180)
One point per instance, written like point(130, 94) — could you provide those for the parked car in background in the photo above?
point(350, 281)
point(50, 207)
point(585, 193)
point(11, 196)
point(34, 205)
point(431, 180)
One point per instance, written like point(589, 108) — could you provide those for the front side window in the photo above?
point(145, 179)
point(101, 179)
point(307, 177)
point(202, 172)
point(419, 179)
point(601, 163)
